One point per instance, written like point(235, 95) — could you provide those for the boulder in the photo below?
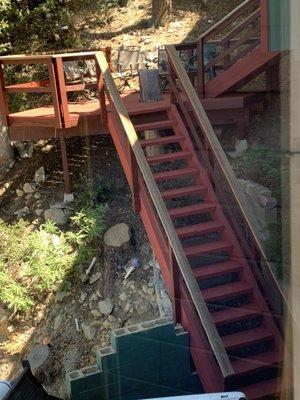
point(56, 215)
point(117, 235)
point(28, 188)
point(40, 176)
point(105, 307)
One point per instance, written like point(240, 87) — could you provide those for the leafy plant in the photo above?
point(12, 293)
point(263, 165)
point(274, 245)
point(90, 224)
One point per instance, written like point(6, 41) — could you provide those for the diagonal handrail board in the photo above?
point(183, 264)
point(228, 19)
point(221, 158)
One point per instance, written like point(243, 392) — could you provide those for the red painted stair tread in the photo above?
point(178, 155)
point(174, 174)
point(209, 248)
point(246, 338)
point(215, 270)
point(227, 291)
point(191, 210)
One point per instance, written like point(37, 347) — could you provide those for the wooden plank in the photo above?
point(183, 264)
point(228, 19)
point(252, 17)
point(223, 164)
point(62, 93)
point(33, 87)
point(232, 48)
point(54, 92)
point(3, 99)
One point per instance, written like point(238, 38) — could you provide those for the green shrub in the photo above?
point(273, 245)
point(12, 292)
point(262, 165)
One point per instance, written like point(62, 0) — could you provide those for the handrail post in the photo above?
point(175, 276)
point(62, 94)
point(135, 189)
point(101, 88)
point(264, 25)
point(200, 68)
point(172, 78)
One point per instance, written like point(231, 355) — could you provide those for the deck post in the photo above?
point(200, 69)
point(264, 25)
point(101, 94)
point(174, 270)
point(135, 189)
point(64, 159)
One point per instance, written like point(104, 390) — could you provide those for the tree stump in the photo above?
point(153, 150)
point(41, 361)
point(116, 251)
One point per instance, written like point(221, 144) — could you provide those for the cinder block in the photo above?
point(110, 391)
point(135, 395)
point(92, 377)
point(174, 372)
point(140, 370)
point(75, 382)
point(106, 358)
point(118, 338)
point(191, 383)
point(139, 355)
point(179, 341)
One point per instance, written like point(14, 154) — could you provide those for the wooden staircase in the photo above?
point(241, 43)
point(241, 72)
point(229, 288)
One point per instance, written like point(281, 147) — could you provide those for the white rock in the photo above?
point(28, 188)
point(83, 296)
point(105, 307)
point(37, 195)
point(117, 235)
point(57, 322)
point(19, 193)
point(56, 215)
point(39, 211)
point(111, 318)
point(241, 146)
point(123, 296)
point(60, 296)
point(95, 277)
point(89, 331)
point(40, 176)
point(96, 313)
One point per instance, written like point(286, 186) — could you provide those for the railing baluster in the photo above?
point(200, 68)
point(136, 202)
point(174, 271)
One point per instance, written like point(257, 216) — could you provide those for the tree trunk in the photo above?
point(6, 153)
point(161, 11)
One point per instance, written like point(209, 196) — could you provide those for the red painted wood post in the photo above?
point(200, 69)
point(135, 189)
point(64, 159)
point(54, 93)
point(62, 91)
point(227, 58)
point(3, 99)
point(264, 25)
point(101, 94)
point(172, 78)
point(175, 276)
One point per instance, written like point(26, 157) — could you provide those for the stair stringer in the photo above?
point(237, 253)
point(211, 382)
point(241, 72)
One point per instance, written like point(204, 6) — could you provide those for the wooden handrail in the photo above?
point(222, 160)
point(228, 19)
point(183, 264)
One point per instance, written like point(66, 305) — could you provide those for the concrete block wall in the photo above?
point(151, 359)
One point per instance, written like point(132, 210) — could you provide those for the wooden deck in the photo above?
point(39, 123)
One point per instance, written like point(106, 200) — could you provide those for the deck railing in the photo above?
point(55, 85)
point(142, 181)
point(227, 188)
point(233, 37)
